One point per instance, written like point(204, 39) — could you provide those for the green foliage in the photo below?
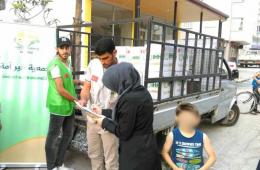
point(25, 10)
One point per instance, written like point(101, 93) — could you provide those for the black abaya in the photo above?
point(133, 125)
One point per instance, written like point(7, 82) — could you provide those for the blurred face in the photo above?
point(258, 75)
point(64, 52)
point(108, 59)
point(188, 119)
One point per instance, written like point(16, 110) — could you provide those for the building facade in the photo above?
point(240, 29)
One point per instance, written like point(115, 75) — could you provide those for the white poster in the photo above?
point(25, 53)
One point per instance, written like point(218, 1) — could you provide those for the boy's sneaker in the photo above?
point(257, 111)
point(64, 168)
point(56, 168)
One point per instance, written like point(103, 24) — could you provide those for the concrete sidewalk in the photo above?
point(242, 80)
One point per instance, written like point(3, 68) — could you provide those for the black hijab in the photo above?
point(121, 78)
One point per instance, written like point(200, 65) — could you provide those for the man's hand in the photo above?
point(96, 109)
point(85, 93)
point(82, 102)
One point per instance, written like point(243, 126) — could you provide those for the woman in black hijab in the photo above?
point(131, 120)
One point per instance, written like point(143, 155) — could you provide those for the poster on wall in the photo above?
point(24, 56)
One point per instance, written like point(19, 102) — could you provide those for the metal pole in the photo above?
point(175, 14)
point(113, 19)
point(219, 34)
point(219, 28)
point(137, 25)
point(175, 19)
point(77, 38)
point(201, 19)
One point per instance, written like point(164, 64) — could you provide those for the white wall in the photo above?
point(247, 10)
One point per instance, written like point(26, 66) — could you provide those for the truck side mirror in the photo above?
point(234, 75)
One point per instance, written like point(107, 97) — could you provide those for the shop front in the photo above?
point(171, 12)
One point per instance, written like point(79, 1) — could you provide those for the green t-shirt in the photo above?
point(56, 103)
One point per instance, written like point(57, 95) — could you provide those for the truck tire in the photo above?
point(232, 117)
point(160, 138)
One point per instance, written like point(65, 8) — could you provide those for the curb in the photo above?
point(241, 81)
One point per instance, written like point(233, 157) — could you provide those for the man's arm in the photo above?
point(85, 93)
point(165, 152)
point(211, 153)
point(62, 91)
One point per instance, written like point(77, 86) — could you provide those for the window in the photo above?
point(258, 29)
point(187, 25)
point(237, 24)
point(103, 13)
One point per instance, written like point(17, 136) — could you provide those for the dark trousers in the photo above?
point(55, 147)
point(258, 166)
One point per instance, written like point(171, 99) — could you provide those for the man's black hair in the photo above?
point(104, 45)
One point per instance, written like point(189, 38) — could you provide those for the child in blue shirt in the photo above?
point(256, 88)
point(256, 82)
point(186, 142)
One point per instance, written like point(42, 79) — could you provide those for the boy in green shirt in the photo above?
point(60, 102)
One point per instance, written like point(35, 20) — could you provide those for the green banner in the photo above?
point(25, 52)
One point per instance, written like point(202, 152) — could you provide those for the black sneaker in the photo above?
point(257, 112)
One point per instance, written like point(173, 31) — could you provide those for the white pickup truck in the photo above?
point(179, 71)
point(249, 58)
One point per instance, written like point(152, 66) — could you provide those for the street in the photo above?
point(237, 147)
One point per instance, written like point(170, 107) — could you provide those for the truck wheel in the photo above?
point(232, 116)
point(160, 138)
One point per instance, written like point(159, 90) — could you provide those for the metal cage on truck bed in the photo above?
point(187, 63)
point(178, 64)
point(196, 60)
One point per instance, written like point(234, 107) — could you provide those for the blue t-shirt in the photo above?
point(255, 84)
point(187, 153)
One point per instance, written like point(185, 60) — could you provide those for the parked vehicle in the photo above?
point(233, 68)
point(176, 71)
point(249, 58)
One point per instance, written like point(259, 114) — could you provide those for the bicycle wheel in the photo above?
point(246, 102)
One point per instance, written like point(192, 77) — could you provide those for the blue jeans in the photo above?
point(59, 136)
